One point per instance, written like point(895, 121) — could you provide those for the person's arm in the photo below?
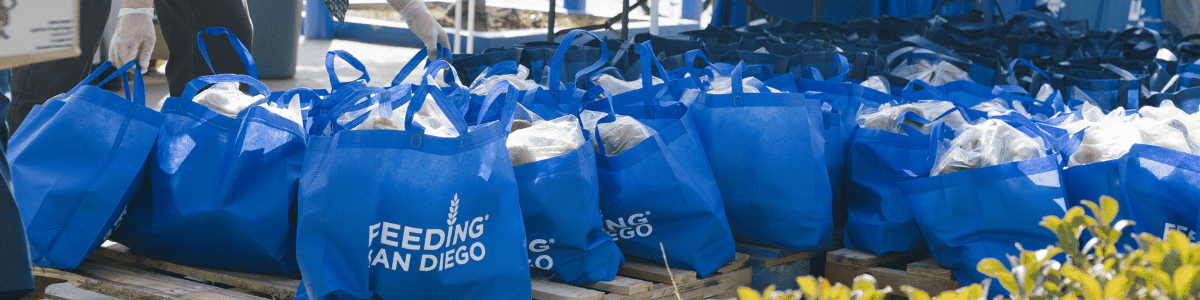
point(134, 38)
point(421, 23)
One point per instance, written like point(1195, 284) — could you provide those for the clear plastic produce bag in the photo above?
point(990, 143)
point(533, 139)
point(618, 136)
point(887, 116)
point(934, 73)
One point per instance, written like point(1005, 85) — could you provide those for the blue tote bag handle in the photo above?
point(436, 66)
point(1011, 65)
point(416, 60)
point(334, 83)
point(138, 94)
point(843, 69)
point(604, 106)
point(386, 99)
point(689, 68)
point(307, 96)
point(537, 97)
point(910, 89)
point(194, 86)
point(647, 61)
point(737, 84)
point(1055, 100)
point(247, 59)
point(1056, 27)
point(911, 116)
point(555, 82)
point(448, 109)
point(1011, 89)
point(512, 96)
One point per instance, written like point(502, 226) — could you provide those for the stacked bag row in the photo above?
point(926, 136)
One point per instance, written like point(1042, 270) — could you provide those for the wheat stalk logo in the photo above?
point(453, 215)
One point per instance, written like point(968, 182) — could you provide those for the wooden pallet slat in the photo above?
point(545, 290)
point(853, 257)
point(739, 261)
point(622, 285)
point(275, 286)
point(844, 265)
point(929, 267)
point(656, 273)
point(143, 284)
point(115, 272)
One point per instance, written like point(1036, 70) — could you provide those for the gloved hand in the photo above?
point(134, 38)
point(422, 24)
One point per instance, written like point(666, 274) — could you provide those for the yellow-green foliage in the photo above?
point(1096, 270)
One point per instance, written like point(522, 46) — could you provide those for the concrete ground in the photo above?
point(382, 63)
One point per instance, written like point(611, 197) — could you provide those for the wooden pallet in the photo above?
point(638, 281)
point(774, 266)
point(780, 267)
point(919, 271)
point(112, 271)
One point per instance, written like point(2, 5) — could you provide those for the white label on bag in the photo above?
point(537, 260)
point(636, 225)
point(435, 248)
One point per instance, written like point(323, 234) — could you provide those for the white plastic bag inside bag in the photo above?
point(414, 77)
point(886, 117)
point(997, 107)
point(989, 143)
point(430, 116)
point(749, 85)
point(483, 83)
point(618, 136)
point(1088, 115)
point(877, 83)
point(935, 74)
point(1111, 137)
point(226, 98)
point(617, 86)
point(1176, 118)
point(291, 111)
point(538, 139)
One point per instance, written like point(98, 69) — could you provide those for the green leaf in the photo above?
point(745, 293)
point(1120, 226)
point(1051, 222)
point(1095, 209)
point(808, 285)
point(1110, 209)
point(1089, 286)
point(1170, 262)
point(1117, 288)
point(1185, 280)
point(865, 283)
point(992, 267)
point(914, 293)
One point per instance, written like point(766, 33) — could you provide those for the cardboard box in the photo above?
point(33, 31)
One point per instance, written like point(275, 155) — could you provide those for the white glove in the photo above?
point(134, 38)
point(422, 24)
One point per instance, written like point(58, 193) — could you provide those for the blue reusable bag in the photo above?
point(77, 164)
point(839, 118)
point(970, 215)
point(879, 217)
point(439, 217)
point(1161, 190)
point(214, 178)
point(662, 191)
point(768, 156)
point(560, 202)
